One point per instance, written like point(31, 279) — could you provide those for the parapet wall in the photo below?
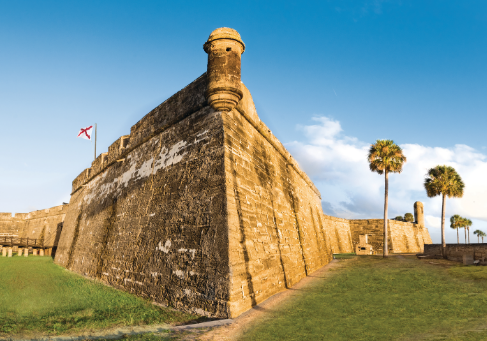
point(42, 224)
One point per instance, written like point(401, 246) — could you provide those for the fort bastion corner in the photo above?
point(202, 208)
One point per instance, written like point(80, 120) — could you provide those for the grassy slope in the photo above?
point(37, 296)
point(385, 299)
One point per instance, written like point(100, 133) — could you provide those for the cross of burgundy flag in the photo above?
point(85, 133)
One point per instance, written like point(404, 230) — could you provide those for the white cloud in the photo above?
point(432, 221)
point(338, 165)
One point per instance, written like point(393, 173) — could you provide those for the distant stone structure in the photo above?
point(469, 254)
point(202, 208)
point(43, 226)
point(366, 236)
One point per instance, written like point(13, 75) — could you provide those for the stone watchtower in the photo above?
point(224, 47)
point(419, 213)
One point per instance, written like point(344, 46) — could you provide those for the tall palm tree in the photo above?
point(482, 235)
point(444, 181)
point(479, 234)
point(463, 224)
point(468, 223)
point(455, 224)
point(386, 157)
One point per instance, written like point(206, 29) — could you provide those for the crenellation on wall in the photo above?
point(22, 215)
point(6, 216)
point(117, 149)
point(98, 164)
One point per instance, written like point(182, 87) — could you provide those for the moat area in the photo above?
point(430, 299)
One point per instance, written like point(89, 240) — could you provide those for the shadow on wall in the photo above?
point(56, 239)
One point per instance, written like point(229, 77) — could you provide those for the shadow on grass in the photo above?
point(39, 297)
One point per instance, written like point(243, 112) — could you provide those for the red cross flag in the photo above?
point(85, 133)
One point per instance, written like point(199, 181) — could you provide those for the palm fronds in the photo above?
point(443, 180)
point(385, 155)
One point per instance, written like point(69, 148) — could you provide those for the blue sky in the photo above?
point(352, 71)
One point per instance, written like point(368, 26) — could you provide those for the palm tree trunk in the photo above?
point(458, 237)
point(443, 243)
point(478, 239)
point(465, 234)
point(386, 247)
point(468, 235)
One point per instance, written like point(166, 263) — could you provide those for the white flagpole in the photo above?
point(95, 141)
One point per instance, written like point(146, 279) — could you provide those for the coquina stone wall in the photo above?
point(202, 210)
point(150, 217)
point(339, 234)
point(455, 252)
point(42, 224)
point(200, 206)
point(10, 225)
point(276, 225)
point(403, 237)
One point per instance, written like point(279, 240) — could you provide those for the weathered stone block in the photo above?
point(468, 259)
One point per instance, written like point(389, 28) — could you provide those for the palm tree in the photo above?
point(385, 157)
point(455, 224)
point(478, 233)
point(463, 223)
point(468, 223)
point(444, 181)
point(482, 235)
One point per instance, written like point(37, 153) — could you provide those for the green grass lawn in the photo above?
point(38, 296)
point(371, 298)
point(365, 298)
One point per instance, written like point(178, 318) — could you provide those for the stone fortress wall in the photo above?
point(149, 216)
point(403, 237)
point(201, 207)
point(42, 224)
